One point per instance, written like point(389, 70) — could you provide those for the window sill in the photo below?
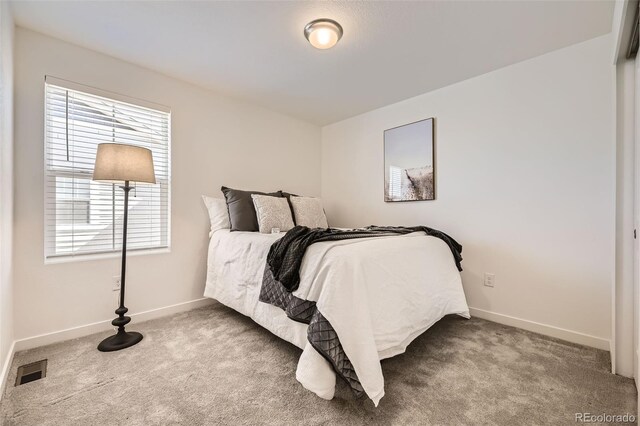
point(101, 256)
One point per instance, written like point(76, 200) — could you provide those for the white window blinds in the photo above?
point(85, 217)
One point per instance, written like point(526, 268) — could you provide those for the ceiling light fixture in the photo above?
point(323, 33)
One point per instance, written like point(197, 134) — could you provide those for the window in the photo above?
point(85, 217)
point(395, 182)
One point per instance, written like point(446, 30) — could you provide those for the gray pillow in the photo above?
point(242, 213)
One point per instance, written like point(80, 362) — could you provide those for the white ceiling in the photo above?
point(256, 50)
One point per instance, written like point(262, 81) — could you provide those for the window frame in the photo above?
point(49, 233)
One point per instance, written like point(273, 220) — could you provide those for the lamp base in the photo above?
point(121, 340)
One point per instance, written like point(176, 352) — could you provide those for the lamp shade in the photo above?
point(118, 162)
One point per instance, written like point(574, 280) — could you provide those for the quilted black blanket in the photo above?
point(282, 277)
point(320, 333)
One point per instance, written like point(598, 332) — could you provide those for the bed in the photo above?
point(378, 293)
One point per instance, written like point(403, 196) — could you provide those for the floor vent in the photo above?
point(31, 372)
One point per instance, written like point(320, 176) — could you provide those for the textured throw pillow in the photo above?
point(218, 214)
point(288, 196)
point(309, 212)
point(272, 212)
point(242, 213)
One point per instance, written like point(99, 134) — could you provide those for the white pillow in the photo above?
point(272, 212)
point(218, 213)
point(309, 212)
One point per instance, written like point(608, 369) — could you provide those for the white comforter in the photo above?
point(378, 294)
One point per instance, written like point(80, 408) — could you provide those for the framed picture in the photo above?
point(409, 172)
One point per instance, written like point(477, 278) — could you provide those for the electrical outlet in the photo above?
point(116, 283)
point(489, 279)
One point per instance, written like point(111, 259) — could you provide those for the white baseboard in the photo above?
point(548, 330)
point(635, 376)
point(612, 354)
point(96, 327)
point(6, 367)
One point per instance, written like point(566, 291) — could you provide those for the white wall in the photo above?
point(215, 141)
point(525, 160)
point(6, 185)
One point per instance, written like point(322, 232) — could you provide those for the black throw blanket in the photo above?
point(285, 255)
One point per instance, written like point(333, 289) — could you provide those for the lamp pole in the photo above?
point(123, 339)
point(126, 188)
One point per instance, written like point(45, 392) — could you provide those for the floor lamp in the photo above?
point(117, 163)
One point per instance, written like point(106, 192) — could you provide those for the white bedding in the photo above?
point(378, 294)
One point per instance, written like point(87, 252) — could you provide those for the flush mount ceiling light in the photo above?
point(323, 33)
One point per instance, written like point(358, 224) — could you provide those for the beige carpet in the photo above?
point(214, 366)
